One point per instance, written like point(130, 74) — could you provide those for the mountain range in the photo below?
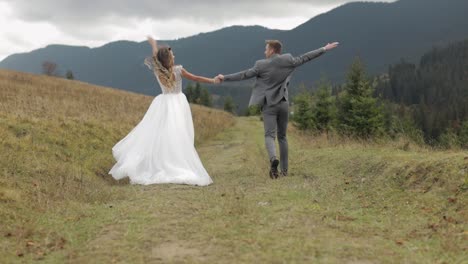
point(379, 33)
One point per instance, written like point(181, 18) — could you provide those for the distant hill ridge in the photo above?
point(380, 33)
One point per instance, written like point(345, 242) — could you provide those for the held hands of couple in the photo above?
point(219, 78)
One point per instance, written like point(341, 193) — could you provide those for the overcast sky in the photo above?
point(32, 24)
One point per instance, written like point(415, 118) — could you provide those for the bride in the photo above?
point(160, 148)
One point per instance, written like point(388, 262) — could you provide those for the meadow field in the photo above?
point(343, 202)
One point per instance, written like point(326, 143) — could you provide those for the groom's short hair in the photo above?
point(275, 45)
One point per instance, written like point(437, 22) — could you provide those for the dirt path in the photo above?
point(311, 216)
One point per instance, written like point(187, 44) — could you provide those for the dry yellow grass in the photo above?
point(56, 137)
point(329, 140)
point(41, 97)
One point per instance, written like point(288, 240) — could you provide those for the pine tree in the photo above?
point(205, 98)
point(359, 115)
point(229, 105)
point(197, 94)
point(189, 93)
point(69, 75)
point(303, 112)
point(324, 107)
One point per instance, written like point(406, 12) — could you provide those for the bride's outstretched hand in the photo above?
point(151, 40)
point(153, 44)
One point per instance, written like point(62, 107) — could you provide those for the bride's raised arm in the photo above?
point(153, 44)
point(195, 78)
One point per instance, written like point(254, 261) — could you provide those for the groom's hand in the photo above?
point(331, 46)
point(219, 78)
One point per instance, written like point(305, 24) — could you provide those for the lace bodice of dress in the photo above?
point(178, 81)
point(177, 70)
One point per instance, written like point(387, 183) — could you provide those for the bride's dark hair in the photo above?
point(164, 63)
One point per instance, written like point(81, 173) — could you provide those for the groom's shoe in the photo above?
point(284, 173)
point(274, 168)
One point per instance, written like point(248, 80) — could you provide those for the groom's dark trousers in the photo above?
point(275, 123)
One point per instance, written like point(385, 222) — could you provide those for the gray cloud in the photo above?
point(66, 13)
point(75, 10)
point(86, 22)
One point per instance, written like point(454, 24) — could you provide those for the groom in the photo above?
point(271, 94)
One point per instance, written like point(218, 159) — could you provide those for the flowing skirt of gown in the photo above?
point(160, 149)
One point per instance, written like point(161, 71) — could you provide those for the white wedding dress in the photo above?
point(160, 148)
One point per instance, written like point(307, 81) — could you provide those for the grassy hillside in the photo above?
point(56, 137)
point(344, 202)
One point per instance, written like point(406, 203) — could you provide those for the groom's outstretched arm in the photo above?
point(306, 57)
point(243, 75)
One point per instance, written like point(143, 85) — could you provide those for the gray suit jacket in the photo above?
point(272, 76)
